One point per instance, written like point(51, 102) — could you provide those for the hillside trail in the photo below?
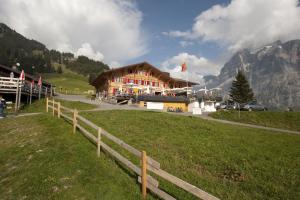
point(107, 106)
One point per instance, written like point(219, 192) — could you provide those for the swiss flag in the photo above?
point(22, 75)
point(183, 67)
point(40, 82)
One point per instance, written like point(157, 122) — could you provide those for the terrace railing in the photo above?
point(9, 84)
point(147, 163)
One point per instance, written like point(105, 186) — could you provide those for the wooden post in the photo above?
point(58, 110)
point(75, 113)
point(17, 97)
point(47, 102)
point(98, 142)
point(144, 174)
point(20, 95)
point(53, 104)
point(46, 92)
point(51, 91)
point(40, 87)
point(30, 98)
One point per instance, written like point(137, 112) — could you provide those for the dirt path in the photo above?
point(249, 125)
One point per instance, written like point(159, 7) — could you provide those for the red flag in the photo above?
point(183, 67)
point(40, 81)
point(22, 75)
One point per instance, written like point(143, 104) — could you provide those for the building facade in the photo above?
point(137, 79)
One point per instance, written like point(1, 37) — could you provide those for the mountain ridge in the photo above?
point(273, 72)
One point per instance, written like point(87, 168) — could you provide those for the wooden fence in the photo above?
point(147, 163)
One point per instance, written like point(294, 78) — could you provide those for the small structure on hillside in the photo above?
point(16, 90)
point(167, 103)
point(209, 99)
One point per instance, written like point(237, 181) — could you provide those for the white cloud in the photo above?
point(112, 27)
point(184, 43)
point(197, 67)
point(114, 64)
point(246, 24)
point(177, 34)
point(87, 50)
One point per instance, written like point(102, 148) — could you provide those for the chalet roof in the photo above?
point(165, 76)
point(28, 77)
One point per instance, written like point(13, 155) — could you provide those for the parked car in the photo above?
point(226, 106)
point(253, 106)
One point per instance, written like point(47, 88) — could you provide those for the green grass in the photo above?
point(40, 105)
point(69, 82)
point(40, 158)
point(230, 162)
point(284, 120)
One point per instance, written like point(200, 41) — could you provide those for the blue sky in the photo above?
point(166, 33)
point(164, 15)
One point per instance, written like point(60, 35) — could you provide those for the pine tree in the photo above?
point(240, 90)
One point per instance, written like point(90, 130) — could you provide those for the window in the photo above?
point(140, 82)
point(113, 79)
point(153, 83)
point(148, 82)
point(143, 82)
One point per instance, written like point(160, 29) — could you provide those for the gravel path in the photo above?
point(108, 106)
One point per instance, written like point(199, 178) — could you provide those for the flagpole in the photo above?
point(187, 83)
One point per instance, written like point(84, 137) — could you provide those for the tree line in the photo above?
point(34, 57)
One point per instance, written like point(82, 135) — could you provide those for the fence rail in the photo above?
point(147, 163)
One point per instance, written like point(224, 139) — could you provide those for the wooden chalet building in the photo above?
point(137, 79)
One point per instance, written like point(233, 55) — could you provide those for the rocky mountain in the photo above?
point(273, 72)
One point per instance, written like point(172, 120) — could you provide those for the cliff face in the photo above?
point(273, 72)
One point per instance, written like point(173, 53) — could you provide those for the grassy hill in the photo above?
point(284, 120)
point(40, 158)
point(68, 82)
point(230, 162)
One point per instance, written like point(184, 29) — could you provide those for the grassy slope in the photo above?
point(40, 158)
point(284, 120)
point(230, 162)
point(72, 82)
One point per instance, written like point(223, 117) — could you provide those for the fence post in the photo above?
point(58, 110)
point(74, 120)
point(144, 174)
point(53, 108)
point(47, 102)
point(98, 142)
